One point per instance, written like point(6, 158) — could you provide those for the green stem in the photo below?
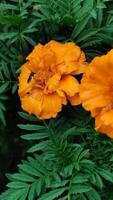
point(51, 133)
point(69, 197)
point(8, 81)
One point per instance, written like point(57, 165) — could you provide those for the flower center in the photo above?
point(40, 78)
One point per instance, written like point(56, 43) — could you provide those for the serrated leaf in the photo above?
point(22, 177)
point(39, 186)
point(6, 71)
point(80, 179)
point(99, 182)
point(53, 194)
point(93, 195)
point(14, 88)
point(2, 117)
point(79, 189)
point(30, 127)
point(4, 36)
point(59, 184)
point(4, 87)
point(34, 136)
point(86, 34)
point(28, 117)
point(107, 175)
point(32, 191)
point(17, 185)
point(4, 6)
point(29, 170)
point(38, 147)
point(79, 27)
point(83, 154)
point(29, 40)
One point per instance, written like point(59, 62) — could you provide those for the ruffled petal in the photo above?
point(52, 104)
point(24, 85)
point(96, 92)
point(74, 100)
point(53, 83)
point(69, 85)
point(101, 127)
point(107, 117)
point(96, 102)
point(32, 103)
point(46, 81)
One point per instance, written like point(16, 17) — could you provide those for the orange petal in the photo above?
point(101, 127)
point(107, 117)
point(53, 82)
point(90, 89)
point(74, 100)
point(31, 105)
point(52, 104)
point(96, 102)
point(72, 67)
point(69, 85)
point(34, 58)
point(24, 86)
point(81, 68)
point(32, 102)
point(95, 112)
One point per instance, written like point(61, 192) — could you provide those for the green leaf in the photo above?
point(79, 27)
point(53, 194)
point(83, 154)
point(28, 117)
point(29, 40)
point(75, 131)
point(18, 194)
point(80, 179)
point(86, 34)
point(29, 127)
point(101, 5)
point(22, 177)
point(2, 117)
point(14, 88)
point(93, 195)
point(39, 186)
point(39, 147)
point(4, 36)
point(99, 182)
point(29, 170)
point(3, 97)
point(4, 6)
point(32, 191)
point(107, 175)
point(17, 185)
point(59, 184)
point(79, 189)
point(6, 71)
point(34, 136)
point(4, 87)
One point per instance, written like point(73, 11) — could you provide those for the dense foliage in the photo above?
point(66, 157)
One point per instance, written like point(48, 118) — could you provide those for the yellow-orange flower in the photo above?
point(46, 81)
point(96, 92)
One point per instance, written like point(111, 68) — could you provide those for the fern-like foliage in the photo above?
point(23, 24)
point(62, 166)
point(3, 98)
point(68, 159)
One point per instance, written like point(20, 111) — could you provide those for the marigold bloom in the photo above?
point(96, 92)
point(46, 81)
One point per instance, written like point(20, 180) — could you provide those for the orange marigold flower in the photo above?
point(96, 92)
point(46, 81)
